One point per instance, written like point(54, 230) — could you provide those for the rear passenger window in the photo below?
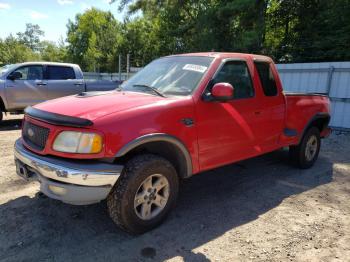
point(237, 74)
point(60, 72)
point(266, 78)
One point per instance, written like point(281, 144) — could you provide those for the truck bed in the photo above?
point(303, 94)
point(301, 108)
point(101, 85)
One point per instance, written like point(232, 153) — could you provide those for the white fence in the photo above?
point(331, 78)
point(106, 76)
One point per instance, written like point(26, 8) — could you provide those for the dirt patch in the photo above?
point(262, 209)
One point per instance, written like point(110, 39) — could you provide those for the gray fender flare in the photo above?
point(323, 116)
point(158, 137)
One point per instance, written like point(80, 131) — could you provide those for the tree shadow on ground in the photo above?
point(209, 205)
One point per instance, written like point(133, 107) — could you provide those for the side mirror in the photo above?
point(222, 92)
point(15, 75)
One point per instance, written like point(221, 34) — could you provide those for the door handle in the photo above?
point(78, 84)
point(41, 84)
point(257, 113)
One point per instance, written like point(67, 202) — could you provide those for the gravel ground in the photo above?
point(261, 209)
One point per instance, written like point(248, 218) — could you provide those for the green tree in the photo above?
point(31, 36)
point(287, 30)
point(308, 30)
point(93, 40)
point(13, 51)
point(51, 51)
point(140, 40)
point(322, 31)
point(205, 25)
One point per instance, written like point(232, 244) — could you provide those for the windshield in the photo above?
point(176, 75)
point(6, 68)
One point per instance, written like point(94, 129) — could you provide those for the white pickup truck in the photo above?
point(30, 83)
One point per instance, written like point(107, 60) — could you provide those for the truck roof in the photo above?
point(224, 55)
point(47, 63)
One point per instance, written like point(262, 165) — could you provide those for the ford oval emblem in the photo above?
point(30, 132)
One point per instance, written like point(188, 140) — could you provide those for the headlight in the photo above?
point(78, 142)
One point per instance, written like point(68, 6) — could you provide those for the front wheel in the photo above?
point(144, 194)
point(306, 153)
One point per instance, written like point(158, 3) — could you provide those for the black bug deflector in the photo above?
point(57, 119)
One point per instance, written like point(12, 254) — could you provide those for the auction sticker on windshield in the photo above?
point(196, 68)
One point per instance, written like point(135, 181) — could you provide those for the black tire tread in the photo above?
point(116, 197)
point(296, 153)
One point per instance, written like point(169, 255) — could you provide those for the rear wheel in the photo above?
point(306, 153)
point(1, 115)
point(144, 194)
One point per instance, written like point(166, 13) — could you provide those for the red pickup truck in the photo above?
point(179, 116)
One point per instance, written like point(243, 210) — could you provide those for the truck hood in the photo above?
point(92, 105)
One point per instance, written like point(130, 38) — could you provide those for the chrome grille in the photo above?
point(35, 136)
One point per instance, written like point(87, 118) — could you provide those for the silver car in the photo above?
point(26, 84)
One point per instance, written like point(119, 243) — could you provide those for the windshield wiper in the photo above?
point(152, 88)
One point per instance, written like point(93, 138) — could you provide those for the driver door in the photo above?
point(27, 90)
point(227, 131)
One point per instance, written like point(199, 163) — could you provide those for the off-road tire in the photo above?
point(297, 153)
point(120, 201)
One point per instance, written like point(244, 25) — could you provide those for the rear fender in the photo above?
point(320, 120)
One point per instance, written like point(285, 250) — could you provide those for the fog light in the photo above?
point(58, 190)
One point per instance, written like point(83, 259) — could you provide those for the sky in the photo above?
point(51, 15)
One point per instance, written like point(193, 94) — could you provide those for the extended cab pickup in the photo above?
point(179, 116)
point(26, 84)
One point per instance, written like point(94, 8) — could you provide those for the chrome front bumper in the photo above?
point(76, 182)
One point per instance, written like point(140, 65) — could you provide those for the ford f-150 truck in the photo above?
point(29, 83)
point(179, 116)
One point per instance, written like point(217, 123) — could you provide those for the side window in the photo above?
point(266, 78)
point(237, 74)
point(60, 73)
point(34, 72)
